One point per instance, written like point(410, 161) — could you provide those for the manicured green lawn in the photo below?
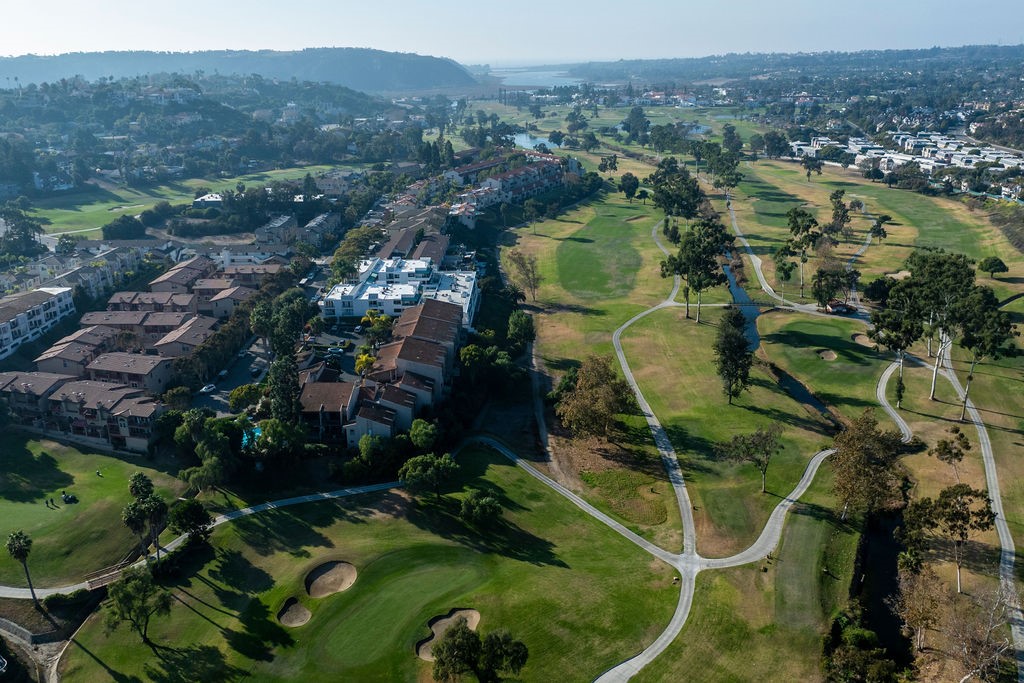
point(98, 206)
point(581, 597)
point(673, 361)
point(795, 342)
point(752, 625)
point(73, 539)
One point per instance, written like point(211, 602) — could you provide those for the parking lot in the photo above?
point(248, 366)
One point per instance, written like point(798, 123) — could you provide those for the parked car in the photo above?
point(208, 389)
point(335, 351)
point(359, 329)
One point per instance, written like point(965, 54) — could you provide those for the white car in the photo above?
point(208, 389)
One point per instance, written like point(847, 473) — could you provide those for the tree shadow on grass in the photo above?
point(262, 633)
point(823, 514)
point(26, 478)
point(114, 675)
point(189, 664)
point(793, 420)
point(502, 537)
point(234, 569)
point(280, 530)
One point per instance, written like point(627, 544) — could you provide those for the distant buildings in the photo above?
point(27, 316)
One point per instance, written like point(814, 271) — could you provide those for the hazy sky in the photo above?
point(512, 32)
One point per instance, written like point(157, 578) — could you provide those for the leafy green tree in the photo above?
point(525, 271)
point(642, 195)
point(804, 235)
point(941, 282)
point(243, 396)
point(676, 192)
point(697, 259)
point(952, 450)
point(628, 185)
point(757, 448)
point(479, 508)
point(520, 329)
point(811, 165)
point(864, 464)
point(19, 545)
point(775, 145)
point(590, 407)
point(984, 331)
point(66, 244)
point(733, 356)
point(992, 265)
point(878, 226)
point(190, 517)
point(461, 651)
point(279, 439)
point(428, 472)
point(840, 215)
point(178, 398)
point(457, 652)
point(423, 434)
point(783, 268)
point(756, 143)
point(958, 513)
point(135, 599)
point(283, 388)
point(731, 141)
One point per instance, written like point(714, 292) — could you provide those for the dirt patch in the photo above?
point(827, 354)
point(899, 275)
point(293, 613)
point(330, 578)
point(863, 340)
point(635, 218)
point(438, 625)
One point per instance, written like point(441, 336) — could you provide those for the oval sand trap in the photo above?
point(863, 340)
point(330, 578)
point(293, 613)
point(438, 625)
point(827, 354)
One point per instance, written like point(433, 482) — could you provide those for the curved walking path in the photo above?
point(24, 594)
point(689, 563)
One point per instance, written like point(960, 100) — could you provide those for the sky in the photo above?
point(518, 32)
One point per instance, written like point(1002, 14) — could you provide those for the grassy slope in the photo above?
point(74, 539)
point(748, 624)
point(674, 364)
point(581, 597)
point(100, 205)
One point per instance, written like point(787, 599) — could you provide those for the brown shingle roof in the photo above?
point(333, 396)
point(127, 363)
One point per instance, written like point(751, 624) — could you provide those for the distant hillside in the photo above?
point(834, 64)
point(357, 68)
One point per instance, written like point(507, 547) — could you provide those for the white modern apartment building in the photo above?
point(391, 286)
point(27, 316)
point(386, 285)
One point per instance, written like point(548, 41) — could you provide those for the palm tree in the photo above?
point(19, 545)
point(140, 486)
point(156, 511)
point(134, 517)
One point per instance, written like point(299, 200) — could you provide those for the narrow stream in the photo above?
point(745, 303)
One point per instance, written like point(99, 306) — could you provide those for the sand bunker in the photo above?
point(293, 613)
point(438, 625)
point(827, 354)
point(330, 578)
point(863, 340)
point(899, 275)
